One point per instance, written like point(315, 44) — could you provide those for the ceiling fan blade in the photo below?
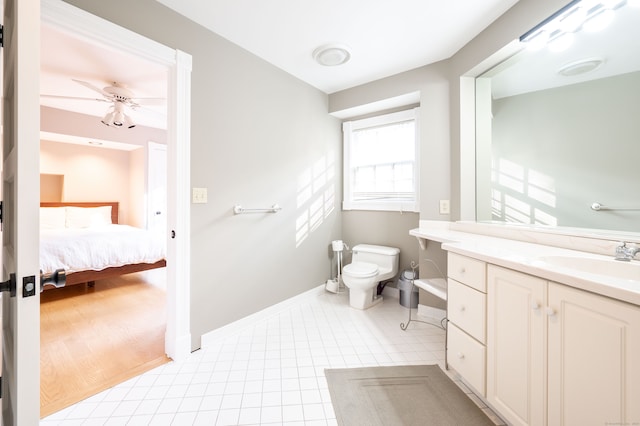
point(76, 98)
point(149, 101)
point(92, 87)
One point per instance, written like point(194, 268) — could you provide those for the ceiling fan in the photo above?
point(120, 98)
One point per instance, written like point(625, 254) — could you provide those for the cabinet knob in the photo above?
point(463, 308)
point(550, 311)
point(460, 355)
point(535, 305)
point(462, 270)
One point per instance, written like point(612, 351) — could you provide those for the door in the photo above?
point(21, 194)
point(516, 345)
point(157, 188)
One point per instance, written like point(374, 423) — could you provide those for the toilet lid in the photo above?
point(361, 269)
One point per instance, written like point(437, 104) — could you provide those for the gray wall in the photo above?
point(444, 164)
point(382, 228)
point(256, 131)
point(257, 134)
point(574, 145)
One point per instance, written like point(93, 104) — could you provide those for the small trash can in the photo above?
point(406, 290)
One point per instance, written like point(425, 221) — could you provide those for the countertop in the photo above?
point(538, 260)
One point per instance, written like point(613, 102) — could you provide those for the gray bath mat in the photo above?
point(402, 395)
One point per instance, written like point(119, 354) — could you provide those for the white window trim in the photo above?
point(350, 126)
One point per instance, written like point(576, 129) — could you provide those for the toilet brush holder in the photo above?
point(331, 286)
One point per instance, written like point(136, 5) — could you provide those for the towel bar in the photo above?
point(598, 207)
point(238, 209)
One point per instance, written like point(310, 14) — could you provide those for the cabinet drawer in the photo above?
point(467, 309)
point(468, 271)
point(467, 357)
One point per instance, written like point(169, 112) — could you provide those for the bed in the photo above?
point(85, 240)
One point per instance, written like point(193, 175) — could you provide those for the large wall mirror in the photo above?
point(558, 130)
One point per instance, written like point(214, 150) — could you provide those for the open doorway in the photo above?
point(98, 333)
point(177, 66)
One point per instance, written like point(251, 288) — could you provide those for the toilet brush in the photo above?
point(333, 285)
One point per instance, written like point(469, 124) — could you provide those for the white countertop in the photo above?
point(529, 257)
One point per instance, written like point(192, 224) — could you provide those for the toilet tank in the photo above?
point(385, 257)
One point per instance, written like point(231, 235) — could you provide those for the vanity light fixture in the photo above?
point(331, 55)
point(575, 16)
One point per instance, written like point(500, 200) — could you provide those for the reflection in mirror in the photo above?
point(559, 130)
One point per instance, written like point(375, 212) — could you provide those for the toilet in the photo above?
point(369, 265)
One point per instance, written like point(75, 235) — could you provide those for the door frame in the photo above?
point(95, 30)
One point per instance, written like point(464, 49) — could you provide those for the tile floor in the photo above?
point(268, 373)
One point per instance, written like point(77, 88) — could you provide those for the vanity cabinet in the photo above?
point(466, 312)
point(557, 355)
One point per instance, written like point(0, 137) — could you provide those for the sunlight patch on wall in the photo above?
point(315, 198)
point(522, 195)
point(541, 187)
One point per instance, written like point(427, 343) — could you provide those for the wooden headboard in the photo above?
point(114, 206)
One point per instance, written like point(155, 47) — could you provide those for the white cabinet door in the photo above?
point(594, 359)
point(516, 345)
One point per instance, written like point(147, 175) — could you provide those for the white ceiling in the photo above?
point(386, 37)
point(64, 58)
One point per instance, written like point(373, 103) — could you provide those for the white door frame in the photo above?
point(95, 30)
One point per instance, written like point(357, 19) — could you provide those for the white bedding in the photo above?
point(82, 249)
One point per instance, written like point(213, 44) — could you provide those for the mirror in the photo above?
point(558, 133)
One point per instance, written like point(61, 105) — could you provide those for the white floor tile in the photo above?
point(271, 372)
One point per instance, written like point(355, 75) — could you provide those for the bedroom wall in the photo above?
point(90, 173)
point(259, 136)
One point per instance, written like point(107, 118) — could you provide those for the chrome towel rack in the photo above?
point(238, 209)
point(598, 207)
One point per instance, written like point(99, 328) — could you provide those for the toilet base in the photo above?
point(363, 299)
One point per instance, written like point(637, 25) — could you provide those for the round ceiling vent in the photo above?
point(331, 55)
point(580, 67)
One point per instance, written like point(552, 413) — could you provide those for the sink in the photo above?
point(608, 267)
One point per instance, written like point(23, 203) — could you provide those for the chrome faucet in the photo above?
point(624, 253)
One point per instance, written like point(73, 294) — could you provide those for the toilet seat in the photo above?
point(361, 269)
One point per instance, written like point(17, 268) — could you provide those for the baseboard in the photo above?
point(180, 349)
point(391, 292)
point(230, 329)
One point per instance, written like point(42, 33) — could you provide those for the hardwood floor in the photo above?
point(94, 338)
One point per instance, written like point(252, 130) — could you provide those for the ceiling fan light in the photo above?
point(108, 119)
point(118, 118)
point(129, 122)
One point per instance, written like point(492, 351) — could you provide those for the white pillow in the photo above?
point(52, 217)
point(88, 217)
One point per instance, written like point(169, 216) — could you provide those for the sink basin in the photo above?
point(608, 267)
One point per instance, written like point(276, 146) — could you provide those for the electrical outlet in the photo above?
point(199, 195)
point(444, 207)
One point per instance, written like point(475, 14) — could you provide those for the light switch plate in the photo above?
point(199, 195)
point(444, 207)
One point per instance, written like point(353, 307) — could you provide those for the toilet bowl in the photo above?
point(370, 264)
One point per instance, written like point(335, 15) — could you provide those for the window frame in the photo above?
point(348, 127)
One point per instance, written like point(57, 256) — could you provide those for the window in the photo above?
point(381, 168)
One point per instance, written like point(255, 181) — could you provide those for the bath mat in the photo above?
point(401, 395)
